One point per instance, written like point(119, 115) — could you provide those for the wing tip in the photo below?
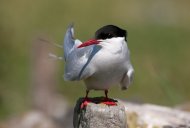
point(71, 25)
point(71, 29)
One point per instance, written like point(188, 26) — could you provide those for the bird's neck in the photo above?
point(114, 45)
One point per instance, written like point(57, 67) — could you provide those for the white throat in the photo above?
point(113, 45)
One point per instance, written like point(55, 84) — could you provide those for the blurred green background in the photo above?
point(158, 38)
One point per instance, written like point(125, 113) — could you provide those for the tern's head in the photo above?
point(110, 31)
point(105, 32)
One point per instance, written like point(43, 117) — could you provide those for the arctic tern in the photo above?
point(100, 62)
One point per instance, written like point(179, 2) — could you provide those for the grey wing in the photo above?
point(69, 41)
point(75, 58)
point(127, 78)
point(76, 63)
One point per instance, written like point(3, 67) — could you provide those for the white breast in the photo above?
point(108, 65)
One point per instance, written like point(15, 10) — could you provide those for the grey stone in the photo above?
point(98, 115)
point(155, 116)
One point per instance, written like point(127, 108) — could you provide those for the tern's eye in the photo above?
point(109, 35)
point(105, 36)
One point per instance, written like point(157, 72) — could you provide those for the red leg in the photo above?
point(85, 100)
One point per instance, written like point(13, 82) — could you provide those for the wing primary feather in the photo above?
point(68, 40)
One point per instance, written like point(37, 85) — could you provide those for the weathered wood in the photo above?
point(98, 115)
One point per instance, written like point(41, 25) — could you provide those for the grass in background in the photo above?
point(158, 40)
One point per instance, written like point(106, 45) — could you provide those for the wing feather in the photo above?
point(127, 79)
point(68, 41)
point(76, 59)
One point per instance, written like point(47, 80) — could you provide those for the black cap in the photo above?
point(109, 31)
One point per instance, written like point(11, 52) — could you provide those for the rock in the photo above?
point(184, 106)
point(155, 116)
point(98, 115)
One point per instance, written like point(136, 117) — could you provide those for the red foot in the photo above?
point(107, 101)
point(84, 103)
point(110, 103)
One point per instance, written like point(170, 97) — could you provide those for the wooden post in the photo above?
point(98, 115)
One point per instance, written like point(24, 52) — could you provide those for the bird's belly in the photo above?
point(108, 72)
point(97, 83)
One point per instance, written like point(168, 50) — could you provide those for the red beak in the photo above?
point(89, 42)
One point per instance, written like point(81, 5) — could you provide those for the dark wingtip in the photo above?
point(71, 29)
point(71, 25)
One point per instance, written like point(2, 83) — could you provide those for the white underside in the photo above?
point(109, 66)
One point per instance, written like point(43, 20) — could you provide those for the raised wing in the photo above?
point(68, 41)
point(77, 59)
